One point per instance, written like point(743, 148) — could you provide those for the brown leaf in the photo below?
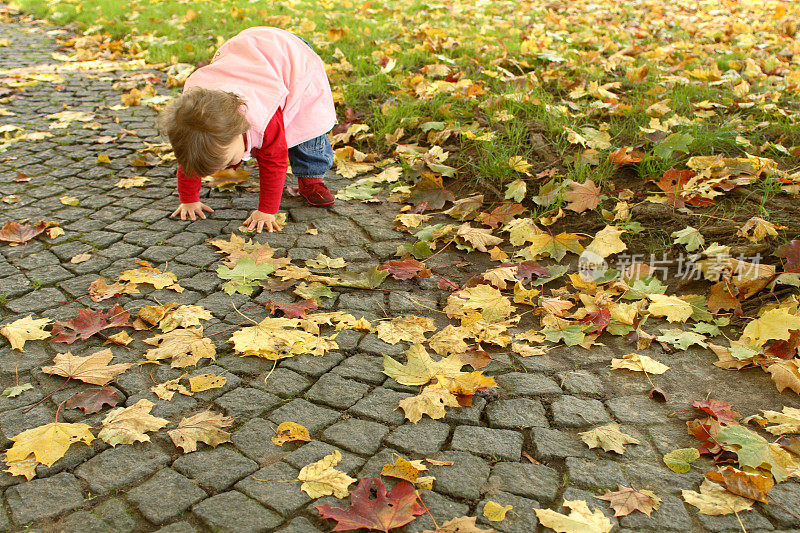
point(93, 400)
point(582, 196)
point(21, 233)
point(626, 500)
point(753, 486)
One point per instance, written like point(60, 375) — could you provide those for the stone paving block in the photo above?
point(362, 367)
point(336, 391)
point(80, 522)
point(283, 382)
point(373, 345)
point(253, 440)
point(595, 474)
point(670, 516)
point(550, 444)
point(382, 405)
point(284, 498)
point(246, 402)
point(442, 509)
point(465, 478)
point(751, 520)
point(36, 301)
point(522, 520)
point(233, 511)
point(311, 365)
point(313, 451)
point(425, 437)
point(299, 525)
point(528, 480)
point(232, 382)
point(313, 417)
point(215, 469)
point(44, 498)
point(492, 443)
point(357, 436)
point(149, 496)
point(15, 421)
point(116, 515)
point(467, 415)
point(637, 410)
point(516, 413)
point(569, 411)
point(786, 494)
point(519, 384)
point(117, 467)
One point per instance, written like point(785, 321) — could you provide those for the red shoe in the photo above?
point(315, 192)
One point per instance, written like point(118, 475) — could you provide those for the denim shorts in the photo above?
point(311, 159)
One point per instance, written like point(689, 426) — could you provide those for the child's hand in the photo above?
point(259, 221)
point(194, 210)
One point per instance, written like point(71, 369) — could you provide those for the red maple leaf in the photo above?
point(446, 285)
point(706, 430)
point(501, 214)
point(293, 310)
point(785, 349)
point(527, 269)
point(381, 513)
point(791, 252)
point(599, 319)
point(89, 322)
point(722, 411)
point(21, 233)
point(407, 269)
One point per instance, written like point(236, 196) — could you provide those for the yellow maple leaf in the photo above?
point(671, 307)
point(126, 425)
point(184, 316)
point(184, 346)
point(775, 324)
point(203, 427)
point(166, 390)
point(149, 275)
point(478, 238)
point(25, 329)
point(47, 443)
point(432, 401)
point(92, 369)
point(639, 363)
point(420, 368)
point(206, 382)
point(449, 340)
point(404, 329)
point(714, 500)
point(608, 437)
point(579, 520)
point(607, 242)
point(321, 479)
point(489, 301)
point(556, 246)
point(290, 431)
point(134, 181)
point(494, 512)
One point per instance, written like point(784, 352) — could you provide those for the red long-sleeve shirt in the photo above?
point(272, 160)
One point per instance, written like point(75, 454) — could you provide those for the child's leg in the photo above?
point(310, 161)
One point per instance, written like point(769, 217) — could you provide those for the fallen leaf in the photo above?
point(292, 310)
point(166, 390)
point(13, 392)
point(92, 369)
point(626, 500)
point(185, 347)
point(788, 421)
point(134, 181)
point(679, 460)
point(722, 411)
point(608, 437)
point(88, 322)
point(383, 512)
point(494, 512)
point(746, 484)
point(639, 363)
point(80, 258)
point(754, 451)
point(47, 444)
point(149, 275)
point(409, 328)
point(92, 400)
point(290, 431)
point(420, 368)
point(126, 425)
point(100, 290)
point(582, 196)
point(21, 233)
point(477, 238)
point(25, 329)
point(432, 401)
point(579, 520)
point(321, 479)
point(205, 382)
point(714, 500)
point(203, 427)
point(464, 524)
point(672, 308)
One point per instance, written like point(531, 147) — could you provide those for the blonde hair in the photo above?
point(201, 124)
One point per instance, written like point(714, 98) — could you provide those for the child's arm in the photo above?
point(189, 193)
point(272, 160)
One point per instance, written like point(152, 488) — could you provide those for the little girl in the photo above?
point(264, 94)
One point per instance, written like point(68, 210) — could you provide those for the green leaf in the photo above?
point(369, 279)
point(556, 271)
point(677, 142)
point(690, 237)
point(360, 190)
point(571, 335)
point(420, 250)
point(644, 286)
point(315, 290)
point(13, 392)
point(754, 451)
point(516, 190)
point(681, 339)
point(678, 460)
point(244, 276)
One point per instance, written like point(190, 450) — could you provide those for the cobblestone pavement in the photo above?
point(344, 399)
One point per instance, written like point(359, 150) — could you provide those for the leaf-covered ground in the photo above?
point(470, 319)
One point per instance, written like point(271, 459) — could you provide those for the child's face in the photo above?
point(235, 151)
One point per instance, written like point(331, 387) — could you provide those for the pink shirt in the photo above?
point(272, 68)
